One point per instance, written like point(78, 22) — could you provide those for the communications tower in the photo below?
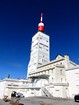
point(40, 48)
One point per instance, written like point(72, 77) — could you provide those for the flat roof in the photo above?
point(44, 76)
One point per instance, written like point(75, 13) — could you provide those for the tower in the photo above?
point(39, 48)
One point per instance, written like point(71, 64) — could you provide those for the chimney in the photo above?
point(66, 61)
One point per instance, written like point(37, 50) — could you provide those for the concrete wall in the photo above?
point(73, 80)
point(2, 89)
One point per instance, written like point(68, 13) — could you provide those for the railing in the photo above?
point(46, 92)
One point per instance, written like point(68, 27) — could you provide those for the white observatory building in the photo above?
point(51, 78)
point(56, 78)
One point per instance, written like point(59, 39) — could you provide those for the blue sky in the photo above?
point(18, 23)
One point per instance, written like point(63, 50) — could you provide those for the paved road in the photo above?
point(39, 100)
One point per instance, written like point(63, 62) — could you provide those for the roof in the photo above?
point(43, 76)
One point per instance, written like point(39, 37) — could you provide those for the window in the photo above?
point(9, 85)
point(34, 63)
point(39, 47)
point(52, 80)
point(44, 72)
point(48, 71)
point(52, 71)
point(61, 71)
point(56, 90)
point(15, 85)
point(35, 44)
point(60, 63)
point(36, 47)
point(61, 79)
point(39, 63)
point(37, 37)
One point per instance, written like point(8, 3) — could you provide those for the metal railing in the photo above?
point(46, 92)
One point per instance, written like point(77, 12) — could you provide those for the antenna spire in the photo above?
point(41, 24)
point(41, 17)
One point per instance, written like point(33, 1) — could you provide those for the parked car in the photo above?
point(76, 98)
point(13, 94)
point(19, 95)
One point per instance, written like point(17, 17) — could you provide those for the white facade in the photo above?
point(8, 85)
point(52, 77)
point(57, 78)
point(72, 75)
point(55, 73)
point(39, 51)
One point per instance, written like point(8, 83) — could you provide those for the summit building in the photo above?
point(56, 78)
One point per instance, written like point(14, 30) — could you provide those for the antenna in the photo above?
point(8, 75)
point(41, 17)
point(41, 24)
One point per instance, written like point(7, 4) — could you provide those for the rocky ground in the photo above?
point(40, 100)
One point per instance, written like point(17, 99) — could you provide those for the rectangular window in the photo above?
point(39, 47)
point(56, 90)
point(40, 63)
point(52, 71)
point(61, 80)
point(48, 71)
point(9, 85)
point(61, 71)
point(34, 63)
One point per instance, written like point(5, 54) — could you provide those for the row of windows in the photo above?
point(43, 44)
point(35, 44)
point(40, 38)
point(51, 71)
point(59, 63)
point(40, 48)
point(44, 72)
point(12, 85)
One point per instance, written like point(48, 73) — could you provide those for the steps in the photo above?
point(46, 92)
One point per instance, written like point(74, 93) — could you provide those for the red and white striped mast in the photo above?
point(41, 24)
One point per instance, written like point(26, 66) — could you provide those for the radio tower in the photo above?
point(40, 48)
point(41, 24)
